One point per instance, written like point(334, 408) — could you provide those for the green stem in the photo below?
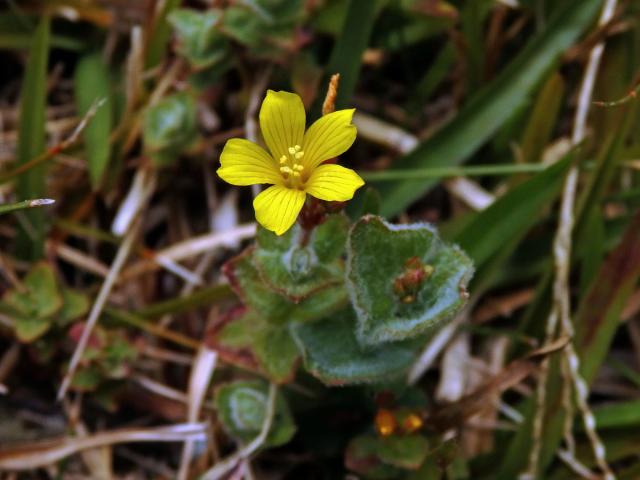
point(199, 298)
point(442, 172)
point(152, 328)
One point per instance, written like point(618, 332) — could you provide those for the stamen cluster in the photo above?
point(290, 168)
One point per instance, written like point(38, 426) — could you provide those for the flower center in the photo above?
point(290, 169)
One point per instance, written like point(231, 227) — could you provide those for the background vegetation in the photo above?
point(509, 124)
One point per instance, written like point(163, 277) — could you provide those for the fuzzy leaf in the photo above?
point(332, 353)
point(404, 451)
point(381, 457)
point(170, 127)
point(246, 339)
point(41, 299)
point(377, 255)
point(298, 271)
point(199, 40)
point(242, 405)
point(29, 329)
point(362, 457)
point(246, 282)
point(75, 304)
point(267, 26)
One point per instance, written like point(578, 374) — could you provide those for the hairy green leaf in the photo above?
point(332, 353)
point(390, 301)
point(242, 406)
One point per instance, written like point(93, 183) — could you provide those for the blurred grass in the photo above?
point(31, 140)
point(92, 84)
point(489, 109)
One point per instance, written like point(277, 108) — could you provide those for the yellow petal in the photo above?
point(278, 207)
point(333, 183)
point(282, 121)
point(329, 136)
point(245, 163)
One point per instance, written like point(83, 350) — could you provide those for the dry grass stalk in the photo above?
point(435, 347)
point(96, 310)
point(48, 452)
point(192, 247)
point(204, 365)
point(561, 309)
point(79, 259)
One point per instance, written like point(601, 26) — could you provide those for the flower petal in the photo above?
point(282, 121)
point(245, 163)
point(333, 183)
point(331, 135)
point(278, 207)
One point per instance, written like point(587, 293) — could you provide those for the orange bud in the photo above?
point(385, 422)
point(412, 423)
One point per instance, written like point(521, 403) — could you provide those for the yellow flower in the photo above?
point(294, 166)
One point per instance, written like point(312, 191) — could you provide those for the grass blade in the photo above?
point(493, 106)
point(595, 322)
point(91, 84)
point(31, 139)
point(346, 57)
point(512, 214)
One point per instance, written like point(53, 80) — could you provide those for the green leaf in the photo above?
point(29, 329)
point(296, 268)
point(43, 289)
point(91, 85)
point(114, 360)
point(246, 339)
point(199, 39)
point(332, 353)
point(403, 451)
point(75, 304)
point(482, 116)
point(266, 26)
point(543, 119)
point(31, 140)
point(361, 457)
point(616, 415)
point(245, 281)
point(378, 254)
point(160, 34)
point(86, 379)
point(252, 290)
point(170, 127)
point(40, 300)
point(242, 406)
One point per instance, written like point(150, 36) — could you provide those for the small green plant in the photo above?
point(42, 304)
point(352, 302)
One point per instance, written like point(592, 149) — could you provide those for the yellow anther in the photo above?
point(299, 155)
point(286, 170)
point(296, 174)
point(292, 150)
point(298, 167)
point(297, 148)
point(283, 159)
